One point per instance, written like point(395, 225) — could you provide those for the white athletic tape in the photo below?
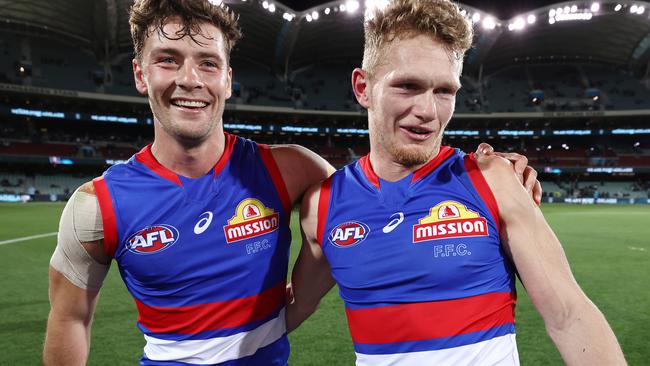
point(25, 238)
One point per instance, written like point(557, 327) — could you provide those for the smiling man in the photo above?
point(197, 222)
point(423, 240)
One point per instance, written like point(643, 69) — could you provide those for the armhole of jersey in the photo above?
point(276, 176)
point(482, 187)
point(323, 206)
point(108, 216)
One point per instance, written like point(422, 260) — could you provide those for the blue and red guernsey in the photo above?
point(419, 264)
point(205, 259)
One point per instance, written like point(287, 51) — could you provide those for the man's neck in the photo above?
point(390, 170)
point(190, 161)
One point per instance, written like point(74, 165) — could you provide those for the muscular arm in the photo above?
point(576, 326)
point(75, 277)
point(311, 277)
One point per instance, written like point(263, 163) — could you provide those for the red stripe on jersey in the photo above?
point(227, 152)
point(444, 154)
point(370, 174)
point(276, 176)
point(146, 157)
point(482, 187)
point(429, 320)
point(323, 206)
point(194, 319)
point(108, 216)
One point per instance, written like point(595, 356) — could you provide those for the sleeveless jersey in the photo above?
point(205, 259)
point(420, 265)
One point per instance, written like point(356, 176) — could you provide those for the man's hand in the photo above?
point(526, 174)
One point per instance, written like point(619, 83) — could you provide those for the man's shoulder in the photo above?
point(88, 187)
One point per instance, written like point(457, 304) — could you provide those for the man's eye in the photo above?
point(408, 86)
point(168, 60)
point(209, 64)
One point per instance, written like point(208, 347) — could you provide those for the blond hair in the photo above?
point(148, 16)
point(441, 19)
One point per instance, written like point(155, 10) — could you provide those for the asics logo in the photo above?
point(203, 223)
point(394, 222)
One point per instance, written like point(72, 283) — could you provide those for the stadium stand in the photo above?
point(588, 123)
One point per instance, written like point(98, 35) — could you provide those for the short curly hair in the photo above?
point(441, 19)
point(149, 16)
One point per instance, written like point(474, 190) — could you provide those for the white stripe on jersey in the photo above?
point(216, 350)
point(499, 351)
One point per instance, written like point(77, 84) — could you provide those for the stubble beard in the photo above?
point(409, 156)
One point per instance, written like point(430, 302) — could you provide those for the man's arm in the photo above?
point(311, 278)
point(576, 326)
point(67, 339)
point(300, 168)
point(76, 272)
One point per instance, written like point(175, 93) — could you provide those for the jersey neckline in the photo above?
point(145, 157)
point(367, 169)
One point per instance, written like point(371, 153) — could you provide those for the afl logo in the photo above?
point(349, 234)
point(152, 239)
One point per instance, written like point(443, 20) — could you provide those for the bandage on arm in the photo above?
point(81, 221)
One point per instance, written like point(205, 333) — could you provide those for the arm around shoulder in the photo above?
point(300, 168)
point(576, 326)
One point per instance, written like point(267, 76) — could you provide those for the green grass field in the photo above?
point(608, 248)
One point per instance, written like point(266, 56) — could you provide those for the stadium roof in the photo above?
point(616, 33)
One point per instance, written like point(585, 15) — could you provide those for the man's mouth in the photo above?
point(417, 130)
point(417, 133)
point(187, 103)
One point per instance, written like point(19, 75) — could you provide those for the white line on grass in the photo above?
point(24, 238)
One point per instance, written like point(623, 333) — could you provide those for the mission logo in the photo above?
point(449, 219)
point(152, 239)
point(251, 219)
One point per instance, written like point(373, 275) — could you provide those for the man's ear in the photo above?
point(138, 76)
point(360, 87)
point(229, 91)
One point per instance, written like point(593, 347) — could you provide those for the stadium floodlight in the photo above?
point(574, 8)
point(288, 17)
point(558, 11)
point(489, 23)
point(352, 6)
point(463, 12)
point(595, 7)
point(327, 11)
point(567, 9)
point(551, 13)
point(314, 15)
point(637, 144)
point(476, 17)
point(551, 20)
point(531, 19)
point(216, 2)
point(618, 7)
point(342, 7)
point(633, 9)
point(308, 17)
point(265, 4)
point(272, 8)
point(518, 24)
point(640, 10)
